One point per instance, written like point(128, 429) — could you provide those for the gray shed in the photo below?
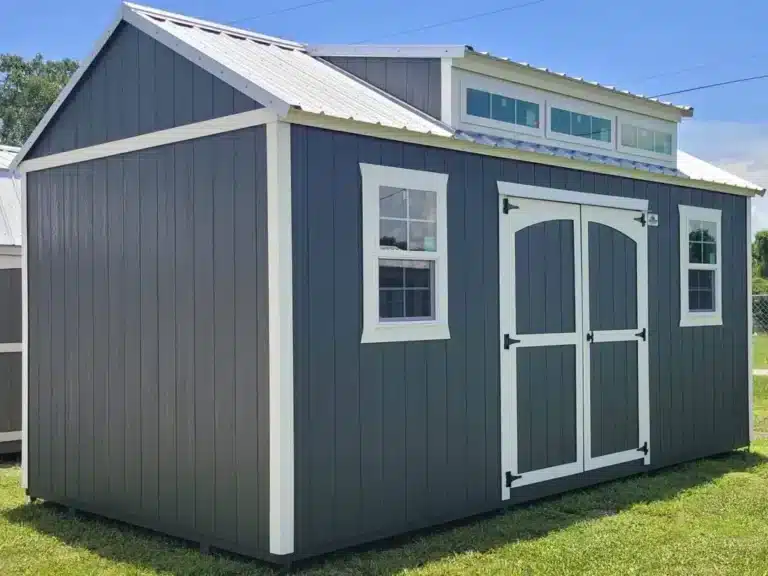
point(10, 305)
point(284, 299)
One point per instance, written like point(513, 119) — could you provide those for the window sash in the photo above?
point(710, 317)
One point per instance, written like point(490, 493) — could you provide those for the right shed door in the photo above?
point(614, 312)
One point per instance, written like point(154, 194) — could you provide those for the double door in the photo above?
point(574, 339)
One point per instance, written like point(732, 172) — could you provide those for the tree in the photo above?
point(760, 255)
point(27, 90)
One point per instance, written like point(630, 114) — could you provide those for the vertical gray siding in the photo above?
point(613, 397)
point(412, 80)
point(148, 338)
point(544, 278)
point(135, 86)
point(612, 279)
point(546, 407)
point(10, 305)
point(10, 392)
point(391, 437)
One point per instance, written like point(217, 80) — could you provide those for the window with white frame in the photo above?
point(700, 267)
point(405, 249)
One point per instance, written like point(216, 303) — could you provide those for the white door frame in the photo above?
point(527, 213)
point(623, 221)
point(561, 204)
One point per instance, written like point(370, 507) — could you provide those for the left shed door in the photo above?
point(542, 341)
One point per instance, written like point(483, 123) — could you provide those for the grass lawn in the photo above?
point(708, 517)
point(760, 351)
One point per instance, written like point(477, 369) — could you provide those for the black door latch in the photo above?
point(590, 336)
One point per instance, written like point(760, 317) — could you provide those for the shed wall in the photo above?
point(148, 327)
point(136, 85)
point(397, 436)
point(10, 362)
point(412, 80)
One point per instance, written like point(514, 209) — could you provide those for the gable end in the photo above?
point(135, 86)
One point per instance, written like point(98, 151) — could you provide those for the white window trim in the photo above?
point(648, 124)
point(580, 108)
point(505, 89)
point(688, 318)
point(374, 177)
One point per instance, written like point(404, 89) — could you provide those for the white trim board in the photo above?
point(349, 126)
point(10, 262)
point(387, 51)
point(446, 91)
point(11, 437)
point(171, 135)
point(570, 197)
point(750, 321)
point(7, 347)
point(24, 338)
point(280, 290)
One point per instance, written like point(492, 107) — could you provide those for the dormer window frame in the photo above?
point(580, 107)
point(507, 90)
point(648, 123)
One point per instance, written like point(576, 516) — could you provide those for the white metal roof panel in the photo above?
point(293, 76)
point(7, 154)
point(697, 169)
point(10, 211)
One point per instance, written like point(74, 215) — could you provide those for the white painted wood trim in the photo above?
point(447, 142)
point(688, 318)
point(750, 337)
point(570, 197)
point(612, 459)
point(205, 61)
point(13, 437)
point(373, 177)
point(528, 213)
point(280, 272)
point(8, 262)
point(8, 347)
point(65, 92)
point(387, 51)
point(601, 336)
point(446, 90)
point(24, 337)
point(153, 139)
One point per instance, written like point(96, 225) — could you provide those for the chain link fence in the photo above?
point(760, 313)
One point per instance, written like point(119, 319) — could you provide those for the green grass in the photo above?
point(707, 517)
point(760, 351)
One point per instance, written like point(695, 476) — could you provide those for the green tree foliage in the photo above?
point(27, 90)
point(760, 263)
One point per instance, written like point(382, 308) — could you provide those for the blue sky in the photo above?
point(649, 47)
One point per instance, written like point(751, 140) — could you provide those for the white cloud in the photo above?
point(741, 149)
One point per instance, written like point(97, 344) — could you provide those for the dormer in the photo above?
point(484, 95)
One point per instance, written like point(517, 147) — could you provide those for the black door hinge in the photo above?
point(507, 206)
point(509, 341)
point(644, 448)
point(509, 478)
point(641, 219)
point(590, 337)
point(641, 334)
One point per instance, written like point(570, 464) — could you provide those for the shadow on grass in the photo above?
point(122, 543)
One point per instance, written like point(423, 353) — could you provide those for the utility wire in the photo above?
point(454, 21)
point(705, 86)
point(281, 11)
point(693, 68)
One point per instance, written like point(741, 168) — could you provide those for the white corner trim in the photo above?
point(64, 94)
point(374, 330)
point(446, 90)
point(387, 51)
point(750, 342)
point(688, 318)
point(205, 61)
point(153, 139)
point(570, 197)
point(13, 437)
point(280, 273)
point(24, 337)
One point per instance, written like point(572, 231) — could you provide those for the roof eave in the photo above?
point(387, 50)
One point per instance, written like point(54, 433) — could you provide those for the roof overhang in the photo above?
point(387, 51)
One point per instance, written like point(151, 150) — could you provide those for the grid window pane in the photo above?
point(478, 103)
point(393, 233)
point(702, 242)
point(528, 114)
point(709, 253)
point(581, 125)
point(502, 108)
point(601, 129)
point(701, 290)
point(561, 121)
point(392, 202)
point(422, 237)
point(628, 136)
point(406, 289)
point(422, 205)
point(645, 139)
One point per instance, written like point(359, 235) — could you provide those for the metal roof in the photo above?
point(7, 154)
point(686, 110)
point(289, 74)
point(697, 169)
point(10, 211)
